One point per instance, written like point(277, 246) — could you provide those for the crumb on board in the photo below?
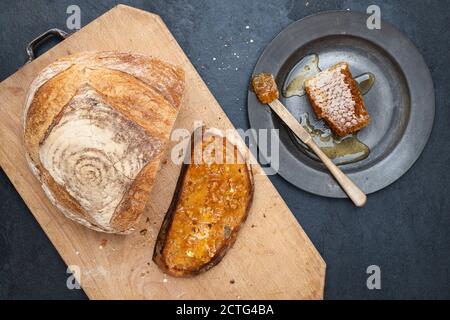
point(103, 243)
point(143, 232)
point(232, 281)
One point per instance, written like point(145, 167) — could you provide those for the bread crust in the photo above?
point(137, 93)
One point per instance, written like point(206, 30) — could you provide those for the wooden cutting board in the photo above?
point(272, 257)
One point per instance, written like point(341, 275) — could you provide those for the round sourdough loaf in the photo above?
point(95, 126)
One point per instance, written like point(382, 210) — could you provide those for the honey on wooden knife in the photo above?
point(265, 88)
point(341, 150)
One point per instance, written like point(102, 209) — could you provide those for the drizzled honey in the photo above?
point(341, 150)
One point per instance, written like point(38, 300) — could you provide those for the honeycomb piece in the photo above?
point(335, 97)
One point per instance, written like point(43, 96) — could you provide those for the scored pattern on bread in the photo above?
point(95, 152)
point(95, 127)
point(335, 97)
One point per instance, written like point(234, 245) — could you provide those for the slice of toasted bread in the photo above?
point(335, 97)
point(211, 202)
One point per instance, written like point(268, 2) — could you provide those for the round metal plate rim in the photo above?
point(411, 63)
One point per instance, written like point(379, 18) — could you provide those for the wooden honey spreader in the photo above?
point(267, 92)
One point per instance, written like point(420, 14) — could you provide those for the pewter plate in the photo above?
point(401, 103)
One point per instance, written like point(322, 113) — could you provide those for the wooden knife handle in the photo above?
point(354, 193)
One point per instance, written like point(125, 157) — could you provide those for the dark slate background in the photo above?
point(405, 228)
